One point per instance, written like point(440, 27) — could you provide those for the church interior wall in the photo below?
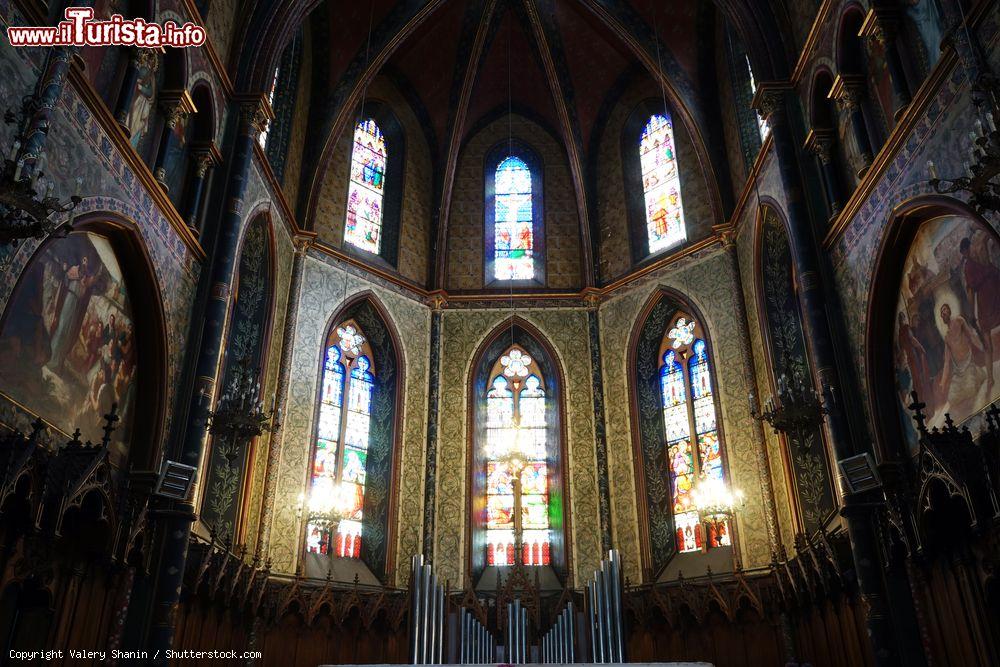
point(417, 187)
point(465, 254)
point(463, 332)
point(707, 279)
point(321, 295)
point(291, 181)
point(78, 138)
point(615, 256)
point(716, 270)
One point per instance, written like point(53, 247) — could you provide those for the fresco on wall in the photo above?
point(925, 19)
point(245, 348)
point(947, 327)
point(67, 344)
point(138, 118)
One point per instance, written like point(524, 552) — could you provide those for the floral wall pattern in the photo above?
point(463, 332)
point(706, 278)
point(321, 295)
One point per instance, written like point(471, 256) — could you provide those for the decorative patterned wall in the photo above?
point(321, 295)
point(466, 245)
point(463, 332)
point(615, 256)
point(941, 135)
point(283, 251)
point(708, 281)
point(75, 139)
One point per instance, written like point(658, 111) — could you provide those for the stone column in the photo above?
point(281, 391)
point(176, 517)
point(856, 510)
point(38, 108)
point(821, 143)
point(205, 156)
point(600, 424)
point(175, 107)
point(433, 407)
point(880, 28)
point(849, 90)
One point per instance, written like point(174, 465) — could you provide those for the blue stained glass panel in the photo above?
point(513, 242)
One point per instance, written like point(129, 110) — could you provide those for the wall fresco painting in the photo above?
point(947, 327)
point(67, 343)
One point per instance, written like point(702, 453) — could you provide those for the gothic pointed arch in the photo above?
point(227, 478)
point(807, 466)
point(677, 432)
point(516, 391)
point(515, 215)
point(349, 497)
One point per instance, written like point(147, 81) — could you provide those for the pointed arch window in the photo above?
point(762, 126)
point(691, 429)
point(265, 133)
point(514, 224)
point(337, 488)
point(516, 410)
point(513, 242)
point(364, 197)
point(661, 184)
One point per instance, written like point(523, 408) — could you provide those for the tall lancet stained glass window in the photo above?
point(661, 184)
point(337, 490)
point(691, 431)
point(516, 417)
point(514, 243)
point(762, 127)
point(262, 137)
point(363, 228)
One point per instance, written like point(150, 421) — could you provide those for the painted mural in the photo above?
point(67, 344)
point(947, 328)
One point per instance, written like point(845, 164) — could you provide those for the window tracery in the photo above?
point(337, 487)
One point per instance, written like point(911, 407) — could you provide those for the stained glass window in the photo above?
point(691, 431)
point(516, 410)
point(762, 125)
point(661, 184)
point(262, 137)
point(337, 488)
point(365, 193)
point(513, 236)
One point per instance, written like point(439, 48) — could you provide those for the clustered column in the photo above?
point(857, 515)
point(177, 517)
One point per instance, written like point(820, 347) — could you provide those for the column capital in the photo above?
point(303, 241)
point(176, 105)
point(847, 90)
point(820, 142)
point(880, 25)
point(206, 155)
point(769, 100)
point(147, 58)
point(255, 113)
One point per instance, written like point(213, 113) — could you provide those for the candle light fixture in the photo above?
point(982, 167)
point(28, 206)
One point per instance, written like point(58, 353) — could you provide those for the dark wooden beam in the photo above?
point(464, 80)
point(339, 107)
point(640, 40)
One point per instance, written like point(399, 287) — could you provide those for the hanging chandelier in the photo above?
point(28, 207)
